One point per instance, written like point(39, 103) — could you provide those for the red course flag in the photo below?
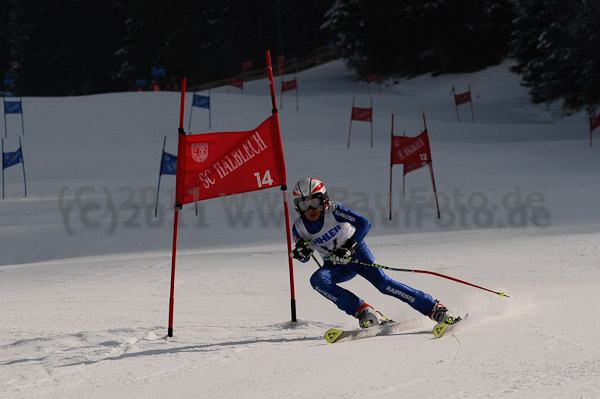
point(594, 122)
point(289, 85)
point(237, 83)
point(413, 152)
point(462, 98)
point(217, 164)
point(362, 114)
point(373, 78)
point(246, 64)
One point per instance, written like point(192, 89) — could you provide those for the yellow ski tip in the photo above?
point(439, 329)
point(332, 335)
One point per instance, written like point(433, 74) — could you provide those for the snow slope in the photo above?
point(85, 266)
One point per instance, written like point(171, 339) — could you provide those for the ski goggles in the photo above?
point(309, 203)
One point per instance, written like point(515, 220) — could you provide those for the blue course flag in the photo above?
point(141, 83)
point(159, 71)
point(13, 107)
point(168, 164)
point(12, 158)
point(201, 101)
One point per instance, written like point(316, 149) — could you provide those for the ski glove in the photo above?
point(303, 250)
point(341, 256)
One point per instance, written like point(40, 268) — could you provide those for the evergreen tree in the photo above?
point(557, 48)
point(301, 26)
point(4, 40)
point(208, 41)
point(407, 37)
point(7, 40)
point(64, 46)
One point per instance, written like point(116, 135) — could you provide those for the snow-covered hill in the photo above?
point(85, 265)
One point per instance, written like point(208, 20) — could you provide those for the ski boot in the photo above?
point(368, 317)
point(441, 314)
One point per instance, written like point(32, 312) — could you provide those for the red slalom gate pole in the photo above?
point(430, 163)
point(173, 257)
point(176, 221)
point(501, 294)
point(283, 189)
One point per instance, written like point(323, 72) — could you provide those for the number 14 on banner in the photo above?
point(266, 179)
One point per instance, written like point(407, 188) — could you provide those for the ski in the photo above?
point(390, 327)
point(440, 329)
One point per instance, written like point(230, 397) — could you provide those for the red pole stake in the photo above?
point(173, 258)
point(351, 115)
point(471, 102)
point(590, 115)
point(176, 221)
point(455, 104)
point(371, 122)
point(296, 80)
point(403, 173)
point(437, 204)
point(182, 103)
point(391, 164)
point(283, 189)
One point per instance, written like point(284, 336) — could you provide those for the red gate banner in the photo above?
point(280, 59)
point(362, 114)
point(289, 85)
point(237, 83)
point(216, 164)
point(594, 122)
point(246, 65)
point(462, 98)
point(372, 77)
point(413, 152)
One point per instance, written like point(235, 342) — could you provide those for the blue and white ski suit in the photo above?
point(331, 231)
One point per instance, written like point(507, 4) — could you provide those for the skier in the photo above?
point(337, 234)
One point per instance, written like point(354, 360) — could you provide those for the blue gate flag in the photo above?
point(141, 83)
point(12, 158)
point(159, 71)
point(13, 107)
point(201, 101)
point(168, 164)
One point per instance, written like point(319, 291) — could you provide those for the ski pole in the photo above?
point(502, 294)
point(315, 259)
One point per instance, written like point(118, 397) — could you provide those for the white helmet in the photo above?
point(310, 193)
